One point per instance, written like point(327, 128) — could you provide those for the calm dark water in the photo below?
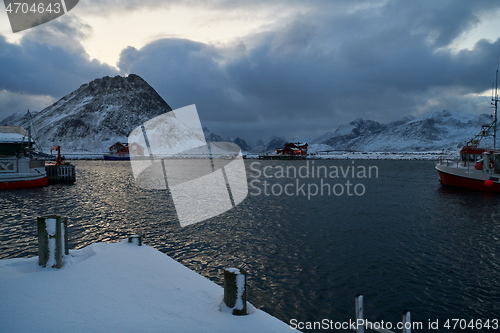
point(406, 243)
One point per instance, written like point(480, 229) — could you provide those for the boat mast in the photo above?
point(494, 102)
point(29, 135)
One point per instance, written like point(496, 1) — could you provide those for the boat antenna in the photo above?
point(29, 137)
point(494, 102)
point(32, 131)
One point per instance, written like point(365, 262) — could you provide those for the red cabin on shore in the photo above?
point(136, 149)
point(120, 149)
point(293, 149)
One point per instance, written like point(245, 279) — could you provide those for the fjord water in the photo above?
point(406, 243)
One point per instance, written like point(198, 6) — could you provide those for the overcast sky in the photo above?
point(260, 68)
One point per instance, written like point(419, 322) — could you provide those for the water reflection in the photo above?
point(408, 243)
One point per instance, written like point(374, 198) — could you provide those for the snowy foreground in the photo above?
point(118, 287)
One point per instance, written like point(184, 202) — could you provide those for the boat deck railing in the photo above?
point(456, 162)
point(60, 173)
point(465, 164)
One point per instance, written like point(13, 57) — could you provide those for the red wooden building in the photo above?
point(293, 149)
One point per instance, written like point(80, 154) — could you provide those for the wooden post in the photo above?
point(235, 290)
point(406, 322)
point(359, 313)
point(136, 239)
point(52, 241)
point(65, 236)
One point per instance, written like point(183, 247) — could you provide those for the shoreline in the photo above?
point(431, 156)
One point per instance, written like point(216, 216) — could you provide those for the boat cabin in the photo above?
point(13, 141)
point(478, 156)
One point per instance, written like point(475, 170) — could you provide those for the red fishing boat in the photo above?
point(478, 167)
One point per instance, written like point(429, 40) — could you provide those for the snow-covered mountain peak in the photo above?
point(97, 114)
point(442, 130)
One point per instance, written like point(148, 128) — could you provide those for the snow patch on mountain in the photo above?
point(212, 137)
point(106, 110)
point(444, 130)
point(96, 115)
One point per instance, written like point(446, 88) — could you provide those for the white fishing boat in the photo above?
point(18, 167)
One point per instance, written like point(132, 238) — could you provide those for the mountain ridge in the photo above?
point(445, 130)
point(96, 115)
point(442, 130)
point(106, 110)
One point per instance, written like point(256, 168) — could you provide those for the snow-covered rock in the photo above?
point(106, 110)
point(444, 130)
point(96, 115)
point(276, 142)
point(212, 137)
point(242, 144)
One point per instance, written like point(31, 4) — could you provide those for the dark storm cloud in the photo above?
point(186, 72)
point(379, 62)
point(440, 21)
point(332, 62)
point(39, 69)
point(185, 68)
point(48, 62)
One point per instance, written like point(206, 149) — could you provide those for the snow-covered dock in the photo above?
point(118, 287)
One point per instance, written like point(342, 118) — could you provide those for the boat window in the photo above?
point(496, 160)
point(10, 149)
